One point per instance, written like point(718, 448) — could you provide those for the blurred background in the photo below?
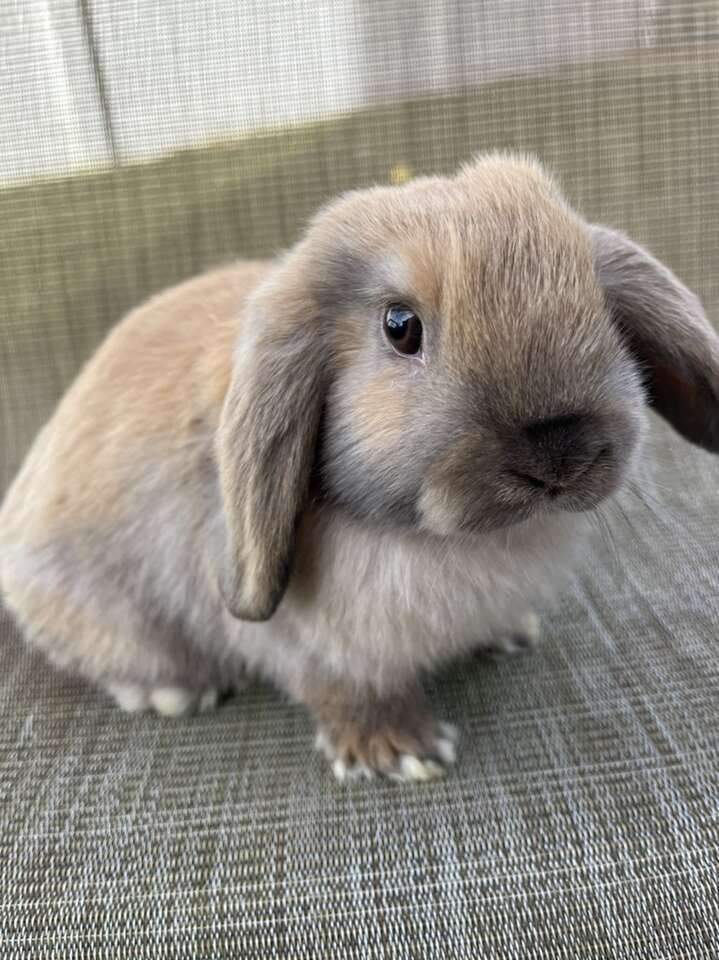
point(143, 142)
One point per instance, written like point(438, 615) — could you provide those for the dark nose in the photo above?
point(557, 451)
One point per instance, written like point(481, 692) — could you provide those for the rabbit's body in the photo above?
point(343, 468)
point(116, 577)
point(109, 572)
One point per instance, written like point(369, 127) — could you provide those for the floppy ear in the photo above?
point(266, 441)
point(668, 332)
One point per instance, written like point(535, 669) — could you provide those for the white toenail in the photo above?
point(339, 768)
point(171, 701)
point(208, 700)
point(445, 750)
point(129, 696)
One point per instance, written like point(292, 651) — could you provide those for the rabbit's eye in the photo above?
point(403, 329)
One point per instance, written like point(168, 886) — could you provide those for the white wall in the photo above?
point(179, 72)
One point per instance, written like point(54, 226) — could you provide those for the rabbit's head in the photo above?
point(453, 355)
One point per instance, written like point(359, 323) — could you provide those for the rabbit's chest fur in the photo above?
point(379, 606)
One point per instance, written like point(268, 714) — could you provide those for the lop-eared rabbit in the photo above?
point(340, 469)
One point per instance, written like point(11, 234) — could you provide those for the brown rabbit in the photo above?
point(343, 468)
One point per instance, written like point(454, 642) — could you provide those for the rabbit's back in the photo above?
point(115, 508)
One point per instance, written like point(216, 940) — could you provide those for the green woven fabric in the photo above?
point(583, 817)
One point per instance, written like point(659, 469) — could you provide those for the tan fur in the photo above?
point(246, 476)
point(119, 403)
point(380, 414)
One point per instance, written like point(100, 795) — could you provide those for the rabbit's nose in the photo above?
point(557, 452)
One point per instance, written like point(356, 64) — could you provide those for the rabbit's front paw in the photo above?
point(169, 701)
point(410, 753)
point(520, 640)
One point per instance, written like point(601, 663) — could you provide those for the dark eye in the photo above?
point(403, 329)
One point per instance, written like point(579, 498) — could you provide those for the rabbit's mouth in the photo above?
point(451, 518)
point(519, 486)
point(589, 480)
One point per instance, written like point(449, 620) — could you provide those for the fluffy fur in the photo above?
point(246, 476)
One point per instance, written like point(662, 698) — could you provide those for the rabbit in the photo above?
point(343, 468)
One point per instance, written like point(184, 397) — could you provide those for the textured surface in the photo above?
point(582, 820)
